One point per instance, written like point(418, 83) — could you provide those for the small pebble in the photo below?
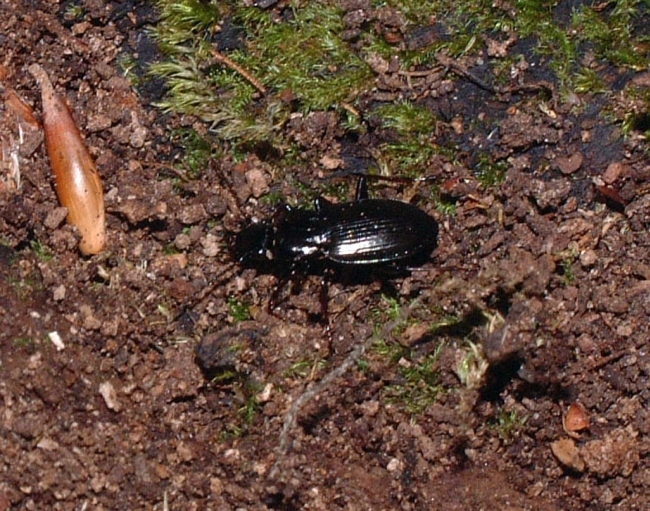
point(55, 218)
point(256, 179)
point(588, 258)
point(569, 164)
point(58, 293)
point(109, 394)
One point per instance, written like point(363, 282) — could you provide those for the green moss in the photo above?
point(407, 118)
point(588, 81)
point(197, 151)
point(339, 191)
point(415, 144)
point(446, 207)
point(418, 384)
point(186, 26)
point(249, 410)
point(74, 12)
point(128, 65)
point(273, 198)
point(326, 74)
point(41, 250)
point(472, 365)
point(390, 310)
point(240, 311)
point(565, 267)
point(304, 54)
point(296, 59)
point(490, 172)
point(23, 342)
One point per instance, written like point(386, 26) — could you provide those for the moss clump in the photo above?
point(248, 72)
point(419, 379)
point(302, 62)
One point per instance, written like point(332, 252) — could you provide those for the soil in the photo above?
point(157, 396)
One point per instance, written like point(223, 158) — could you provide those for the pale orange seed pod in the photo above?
point(77, 181)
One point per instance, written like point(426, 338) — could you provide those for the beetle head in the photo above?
point(252, 246)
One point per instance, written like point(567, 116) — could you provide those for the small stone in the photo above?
point(394, 465)
point(588, 258)
point(182, 241)
point(330, 162)
point(216, 486)
point(47, 444)
point(265, 395)
point(109, 394)
point(613, 172)
point(567, 453)
point(58, 293)
point(184, 452)
point(370, 408)
point(569, 164)
point(257, 182)
point(55, 339)
point(80, 28)
point(210, 245)
point(55, 218)
point(192, 214)
point(98, 122)
point(616, 454)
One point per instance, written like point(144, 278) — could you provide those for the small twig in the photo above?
point(237, 68)
point(309, 394)
point(178, 172)
point(418, 74)
point(527, 87)
point(449, 64)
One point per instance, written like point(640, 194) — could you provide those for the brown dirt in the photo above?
point(123, 418)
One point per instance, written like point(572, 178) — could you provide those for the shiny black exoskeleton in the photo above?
point(376, 237)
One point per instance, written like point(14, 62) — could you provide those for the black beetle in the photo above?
point(353, 240)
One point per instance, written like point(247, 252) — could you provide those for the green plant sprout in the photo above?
point(510, 424)
point(305, 367)
point(472, 366)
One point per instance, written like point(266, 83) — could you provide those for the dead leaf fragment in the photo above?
point(575, 420)
point(19, 107)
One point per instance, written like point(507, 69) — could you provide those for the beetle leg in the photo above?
point(362, 189)
point(321, 205)
point(324, 296)
point(274, 301)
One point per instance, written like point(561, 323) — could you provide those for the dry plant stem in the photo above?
point(309, 394)
point(449, 63)
point(461, 71)
point(77, 181)
point(18, 106)
point(236, 67)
